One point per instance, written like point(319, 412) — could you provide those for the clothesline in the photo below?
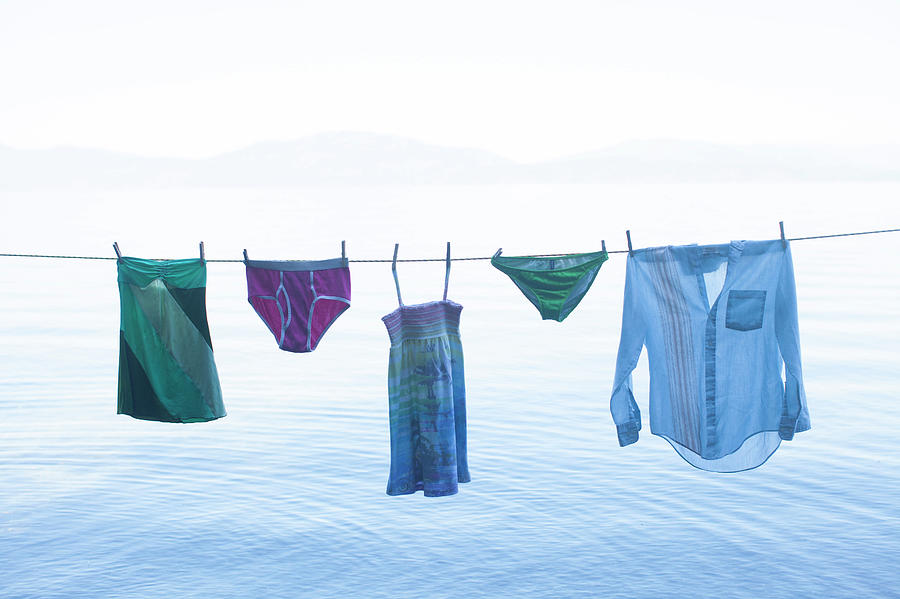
point(61, 257)
point(167, 371)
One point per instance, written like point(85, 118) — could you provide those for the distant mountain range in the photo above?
point(363, 158)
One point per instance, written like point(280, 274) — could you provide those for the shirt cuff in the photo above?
point(628, 433)
point(786, 428)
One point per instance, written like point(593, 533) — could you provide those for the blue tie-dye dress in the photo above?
point(427, 395)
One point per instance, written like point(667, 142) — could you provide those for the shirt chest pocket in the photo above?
point(745, 309)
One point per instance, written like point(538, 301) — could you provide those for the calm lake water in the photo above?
point(285, 497)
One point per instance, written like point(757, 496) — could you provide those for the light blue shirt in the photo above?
point(718, 322)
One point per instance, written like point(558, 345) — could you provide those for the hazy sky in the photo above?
point(529, 80)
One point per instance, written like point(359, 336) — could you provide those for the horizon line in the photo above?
point(472, 148)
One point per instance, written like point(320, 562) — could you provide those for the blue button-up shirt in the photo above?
point(718, 322)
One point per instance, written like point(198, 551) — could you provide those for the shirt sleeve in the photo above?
point(624, 409)
point(794, 416)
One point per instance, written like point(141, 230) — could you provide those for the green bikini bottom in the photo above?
point(554, 285)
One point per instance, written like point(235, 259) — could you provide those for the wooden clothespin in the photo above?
point(118, 253)
point(628, 235)
point(783, 240)
point(202, 253)
point(246, 259)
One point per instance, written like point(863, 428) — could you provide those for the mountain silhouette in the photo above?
point(348, 158)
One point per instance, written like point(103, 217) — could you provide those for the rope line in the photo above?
point(469, 259)
point(59, 257)
point(843, 234)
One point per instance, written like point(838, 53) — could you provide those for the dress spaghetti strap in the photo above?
point(397, 281)
point(394, 270)
point(447, 275)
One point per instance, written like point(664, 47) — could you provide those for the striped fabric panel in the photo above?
point(421, 321)
point(181, 340)
point(678, 339)
point(709, 349)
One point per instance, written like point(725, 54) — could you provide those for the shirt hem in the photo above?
point(673, 443)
